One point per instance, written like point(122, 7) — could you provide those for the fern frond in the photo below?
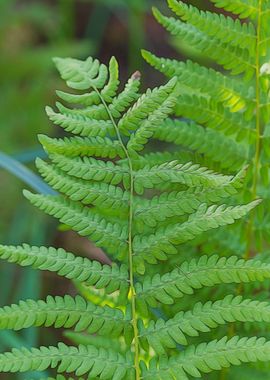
point(205, 272)
point(164, 241)
point(118, 105)
point(127, 97)
point(84, 75)
point(64, 312)
point(84, 221)
point(96, 193)
point(188, 174)
point(146, 108)
point(215, 115)
point(148, 126)
point(96, 112)
point(157, 158)
point(175, 203)
point(224, 28)
point(235, 59)
point(88, 168)
point(209, 357)
point(66, 264)
point(77, 146)
point(98, 175)
point(89, 74)
point(242, 8)
point(82, 360)
point(80, 124)
point(235, 94)
point(166, 334)
point(212, 143)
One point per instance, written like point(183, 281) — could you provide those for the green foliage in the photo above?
point(65, 264)
point(223, 28)
point(140, 209)
point(243, 8)
point(233, 58)
point(207, 272)
point(223, 117)
point(161, 335)
point(206, 358)
point(81, 360)
point(227, 152)
point(64, 312)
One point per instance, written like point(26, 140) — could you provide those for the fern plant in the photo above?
point(223, 117)
point(140, 208)
point(227, 106)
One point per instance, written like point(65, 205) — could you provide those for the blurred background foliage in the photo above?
point(31, 33)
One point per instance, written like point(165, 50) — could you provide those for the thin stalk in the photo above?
point(258, 133)
point(130, 243)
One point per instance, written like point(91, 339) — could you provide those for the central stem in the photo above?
point(258, 132)
point(132, 291)
point(131, 277)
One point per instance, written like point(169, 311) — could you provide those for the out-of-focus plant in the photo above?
point(30, 33)
point(133, 15)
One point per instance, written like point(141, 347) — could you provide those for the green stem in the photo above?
point(132, 291)
point(258, 133)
